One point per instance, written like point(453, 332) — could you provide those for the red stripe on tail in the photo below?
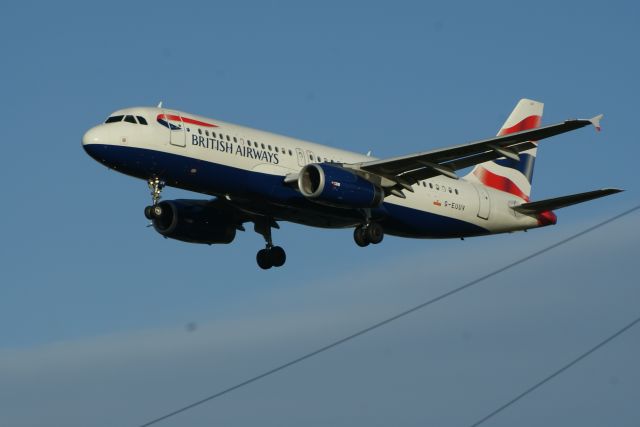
point(527, 123)
point(498, 182)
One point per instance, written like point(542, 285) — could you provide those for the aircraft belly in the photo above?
point(267, 194)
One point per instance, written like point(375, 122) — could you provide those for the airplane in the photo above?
point(253, 176)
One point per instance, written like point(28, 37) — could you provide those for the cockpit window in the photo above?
point(114, 119)
point(128, 119)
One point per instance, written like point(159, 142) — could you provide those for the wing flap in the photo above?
point(426, 173)
point(461, 156)
point(564, 201)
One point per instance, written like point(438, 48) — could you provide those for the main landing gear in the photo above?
point(154, 211)
point(371, 233)
point(270, 256)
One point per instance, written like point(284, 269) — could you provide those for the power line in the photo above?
point(556, 373)
point(392, 318)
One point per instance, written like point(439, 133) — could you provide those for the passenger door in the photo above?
point(178, 133)
point(484, 202)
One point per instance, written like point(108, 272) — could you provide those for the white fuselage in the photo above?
point(223, 159)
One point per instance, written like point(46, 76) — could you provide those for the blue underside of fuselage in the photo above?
point(268, 195)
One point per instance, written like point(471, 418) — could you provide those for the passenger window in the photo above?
point(269, 148)
point(114, 119)
point(235, 139)
point(228, 139)
point(200, 131)
point(290, 153)
point(213, 134)
point(262, 145)
point(456, 191)
point(277, 151)
point(206, 132)
point(141, 120)
point(130, 119)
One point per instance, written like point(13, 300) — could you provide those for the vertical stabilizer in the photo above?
point(510, 175)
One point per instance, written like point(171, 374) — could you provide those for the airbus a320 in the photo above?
point(250, 176)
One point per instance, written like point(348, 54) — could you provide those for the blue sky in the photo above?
point(94, 305)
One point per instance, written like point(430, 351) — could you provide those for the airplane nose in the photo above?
point(95, 143)
point(92, 136)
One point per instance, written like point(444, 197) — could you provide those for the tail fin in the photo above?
point(513, 176)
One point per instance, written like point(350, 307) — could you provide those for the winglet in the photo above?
point(595, 121)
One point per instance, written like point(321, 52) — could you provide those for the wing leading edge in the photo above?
point(406, 170)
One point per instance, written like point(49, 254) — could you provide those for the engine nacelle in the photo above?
point(193, 221)
point(335, 186)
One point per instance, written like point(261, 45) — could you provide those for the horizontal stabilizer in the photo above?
point(564, 201)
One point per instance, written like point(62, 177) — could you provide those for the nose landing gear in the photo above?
point(154, 211)
point(270, 256)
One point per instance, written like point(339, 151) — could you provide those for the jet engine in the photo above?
point(193, 221)
point(339, 187)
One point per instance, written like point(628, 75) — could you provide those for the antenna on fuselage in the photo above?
point(160, 104)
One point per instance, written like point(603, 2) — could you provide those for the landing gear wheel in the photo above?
point(360, 236)
point(278, 256)
point(156, 211)
point(148, 212)
point(264, 259)
point(155, 185)
point(271, 256)
point(375, 233)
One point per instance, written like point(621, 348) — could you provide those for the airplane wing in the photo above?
point(407, 170)
point(564, 201)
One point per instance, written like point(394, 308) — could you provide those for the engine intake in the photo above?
point(339, 187)
point(193, 221)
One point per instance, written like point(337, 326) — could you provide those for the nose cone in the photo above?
point(92, 136)
point(95, 143)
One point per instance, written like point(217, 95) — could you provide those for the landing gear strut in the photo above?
point(270, 256)
point(155, 185)
point(369, 233)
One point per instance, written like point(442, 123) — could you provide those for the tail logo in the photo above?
point(508, 175)
point(499, 182)
point(527, 123)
